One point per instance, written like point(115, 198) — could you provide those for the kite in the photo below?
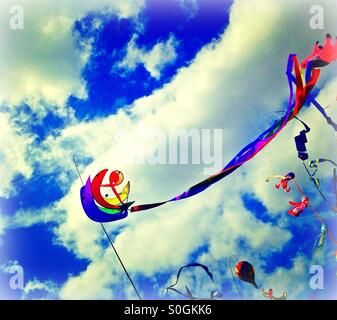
point(321, 56)
point(301, 140)
point(320, 240)
point(245, 272)
point(284, 180)
point(188, 294)
point(112, 212)
point(309, 65)
point(269, 295)
point(96, 213)
point(298, 206)
point(315, 164)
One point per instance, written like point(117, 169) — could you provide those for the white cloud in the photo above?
point(12, 154)
point(154, 60)
point(41, 61)
point(48, 289)
point(27, 218)
point(104, 272)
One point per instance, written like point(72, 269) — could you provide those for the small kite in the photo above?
point(320, 240)
point(321, 56)
point(245, 272)
point(301, 140)
point(270, 296)
point(298, 207)
point(315, 165)
point(188, 294)
point(284, 180)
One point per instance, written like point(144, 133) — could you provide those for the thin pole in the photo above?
point(78, 171)
point(121, 262)
point(230, 268)
point(111, 243)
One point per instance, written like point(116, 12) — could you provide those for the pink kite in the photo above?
point(322, 55)
point(298, 206)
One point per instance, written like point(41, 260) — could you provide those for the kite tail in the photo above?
point(189, 294)
point(262, 141)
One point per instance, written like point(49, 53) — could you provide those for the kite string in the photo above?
point(111, 243)
point(78, 171)
point(299, 188)
point(319, 218)
point(121, 262)
point(311, 176)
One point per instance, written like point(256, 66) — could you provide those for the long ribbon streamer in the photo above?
point(246, 154)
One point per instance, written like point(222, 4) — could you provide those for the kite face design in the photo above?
point(105, 208)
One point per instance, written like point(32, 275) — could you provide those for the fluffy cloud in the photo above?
point(41, 61)
point(12, 155)
point(154, 60)
point(47, 289)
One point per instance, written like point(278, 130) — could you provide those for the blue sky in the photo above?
point(123, 67)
